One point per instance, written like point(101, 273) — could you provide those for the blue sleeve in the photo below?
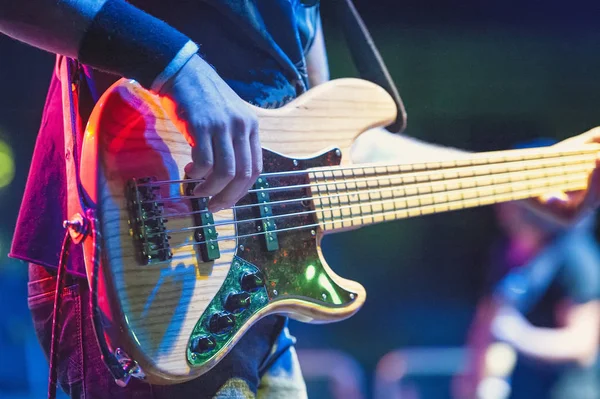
point(307, 20)
point(580, 275)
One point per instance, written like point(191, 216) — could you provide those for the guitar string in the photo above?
point(407, 173)
point(381, 201)
point(521, 175)
point(485, 169)
point(513, 156)
point(304, 213)
point(564, 184)
point(517, 194)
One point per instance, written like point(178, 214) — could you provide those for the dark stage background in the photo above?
point(474, 75)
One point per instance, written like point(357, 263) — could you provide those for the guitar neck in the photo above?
point(357, 195)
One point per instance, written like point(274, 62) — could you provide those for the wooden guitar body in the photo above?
point(178, 286)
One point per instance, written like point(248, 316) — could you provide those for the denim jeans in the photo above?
point(243, 373)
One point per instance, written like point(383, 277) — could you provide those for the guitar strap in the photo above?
point(68, 73)
point(81, 220)
point(366, 57)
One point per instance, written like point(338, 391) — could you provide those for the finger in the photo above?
point(558, 207)
point(591, 136)
point(257, 154)
point(591, 200)
point(238, 186)
point(257, 160)
point(223, 170)
point(202, 156)
point(568, 207)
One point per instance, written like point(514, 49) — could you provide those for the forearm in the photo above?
point(317, 64)
point(556, 345)
point(376, 145)
point(577, 342)
point(379, 145)
point(111, 35)
point(55, 26)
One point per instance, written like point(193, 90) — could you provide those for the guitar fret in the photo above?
point(349, 202)
point(345, 200)
point(357, 196)
point(328, 196)
point(392, 192)
point(338, 213)
point(375, 183)
point(369, 211)
point(318, 198)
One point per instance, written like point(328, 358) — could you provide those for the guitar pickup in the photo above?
point(206, 234)
point(266, 223)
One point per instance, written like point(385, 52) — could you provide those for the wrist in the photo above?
point(187, 52)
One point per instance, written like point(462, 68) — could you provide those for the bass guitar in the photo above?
point(178, 286)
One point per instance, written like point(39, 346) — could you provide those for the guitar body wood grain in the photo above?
point(150, 311)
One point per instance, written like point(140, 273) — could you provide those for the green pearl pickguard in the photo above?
point(292, 270)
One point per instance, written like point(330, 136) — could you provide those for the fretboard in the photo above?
point(356, 195)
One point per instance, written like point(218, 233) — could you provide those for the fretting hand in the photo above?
point(566, 208)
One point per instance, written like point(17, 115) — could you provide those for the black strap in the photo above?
point(56, 316)
point(366, 57)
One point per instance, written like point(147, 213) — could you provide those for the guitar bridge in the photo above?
point(146, 221)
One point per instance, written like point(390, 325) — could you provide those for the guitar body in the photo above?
point(177, 286)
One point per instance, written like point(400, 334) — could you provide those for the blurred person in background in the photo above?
point(536, 331)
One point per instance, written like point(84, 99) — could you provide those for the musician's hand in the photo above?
point(220, 127)
point(567, 208)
